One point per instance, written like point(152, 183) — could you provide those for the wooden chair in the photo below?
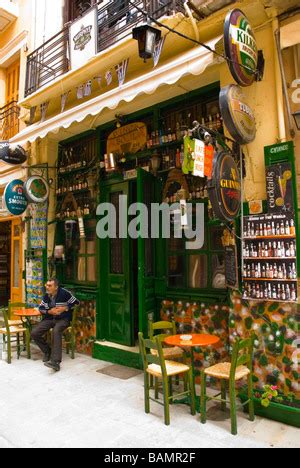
point(156, 366)
point(18, 332)
point(11, 307)
point(70, 334)
point(173, 352)
point(241, 366)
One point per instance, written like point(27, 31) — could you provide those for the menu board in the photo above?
point(38, 244)
point(39, 225)
point(231, 267)
point(34, 279)
point(270, 258)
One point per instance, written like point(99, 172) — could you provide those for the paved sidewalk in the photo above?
point(79, 407)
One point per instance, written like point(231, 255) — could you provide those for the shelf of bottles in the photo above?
point(77, 169)
point(270, 258)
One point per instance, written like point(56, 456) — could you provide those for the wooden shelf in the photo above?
point(75, 192)
point(268, 280)
point(269, 300)
point(266, 259)
point(269, 237)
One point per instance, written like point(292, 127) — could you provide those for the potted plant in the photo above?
point(270, 404)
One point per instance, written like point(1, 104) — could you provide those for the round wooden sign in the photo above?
point(237, 114)
point(240, 48)
point(224, 188)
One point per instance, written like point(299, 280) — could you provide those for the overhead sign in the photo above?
point(224, 189)
point(83, 39)
point(36, 189)
point(128, 139)
point(14, 198)
point(11, 155)
point(240, 48)
point(237, 114)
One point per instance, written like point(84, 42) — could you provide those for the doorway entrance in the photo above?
point(127, 266)
point(11, 263)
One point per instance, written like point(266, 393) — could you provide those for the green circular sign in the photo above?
point(14, 198)
point(36, 189)
point(240, 48)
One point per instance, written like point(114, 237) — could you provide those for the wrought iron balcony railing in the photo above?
point(116, 20)
point(9, 120)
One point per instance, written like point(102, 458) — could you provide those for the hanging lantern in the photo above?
point(147, 37)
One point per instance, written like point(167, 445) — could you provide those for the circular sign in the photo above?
point(36, 189)
point(12, 155)
point(237, 114)
point(14, 198)
point(225, 187)
point(240, 48)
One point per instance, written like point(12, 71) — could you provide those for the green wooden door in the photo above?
point(117, 321)
point(147, 189)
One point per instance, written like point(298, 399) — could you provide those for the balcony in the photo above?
point(9, 12)
point(115, 23)
point(9, 120)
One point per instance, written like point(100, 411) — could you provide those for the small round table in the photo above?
point(197, 341)
point(26, 315)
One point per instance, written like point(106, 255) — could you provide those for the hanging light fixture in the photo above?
point(147, 37)
point(296, 116)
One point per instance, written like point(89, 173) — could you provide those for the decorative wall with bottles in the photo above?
point(270, 258)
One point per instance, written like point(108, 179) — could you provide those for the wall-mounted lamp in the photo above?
point(147, 37)
point(296, 116)
point(155, 163)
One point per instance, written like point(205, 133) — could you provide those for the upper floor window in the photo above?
point(76, 8)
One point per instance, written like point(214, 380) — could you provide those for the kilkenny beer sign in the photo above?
point(240, 48)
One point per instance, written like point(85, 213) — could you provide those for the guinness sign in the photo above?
point(240, 48)
point(225, 191)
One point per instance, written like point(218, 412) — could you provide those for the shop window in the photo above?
point(86, 258)
point(202, 269)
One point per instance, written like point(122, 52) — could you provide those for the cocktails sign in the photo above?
point(225, 187)
point(240, 48)
point(237, 114)
point(279, 179)
point(14, 197)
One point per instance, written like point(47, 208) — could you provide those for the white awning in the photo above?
point(193, 62)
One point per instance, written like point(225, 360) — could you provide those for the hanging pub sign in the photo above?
point(240, 48)
point(14, 198)
point(36, 189)
point(128, 139)
point(224, 188)
point(83, 39)
point(11, 155)
point(237, 114)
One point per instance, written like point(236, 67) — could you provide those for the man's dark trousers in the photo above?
point(40, 330)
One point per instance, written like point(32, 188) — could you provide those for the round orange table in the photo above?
point(198, 340)
point(26, 315)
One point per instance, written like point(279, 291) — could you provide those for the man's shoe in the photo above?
point(47, 356)
point(53, 365)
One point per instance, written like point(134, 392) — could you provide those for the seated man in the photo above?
point(56, 307)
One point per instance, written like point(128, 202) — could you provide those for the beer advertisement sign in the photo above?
point(240, 48)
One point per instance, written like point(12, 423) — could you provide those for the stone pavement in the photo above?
point(80, 407)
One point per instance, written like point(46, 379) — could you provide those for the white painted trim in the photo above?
point(12, 47)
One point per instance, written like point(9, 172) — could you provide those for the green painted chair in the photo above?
point(165, 329)
point(70, 334)
point(241, 366)
point(18, 332)
point(11, 307)
point(159, 368)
